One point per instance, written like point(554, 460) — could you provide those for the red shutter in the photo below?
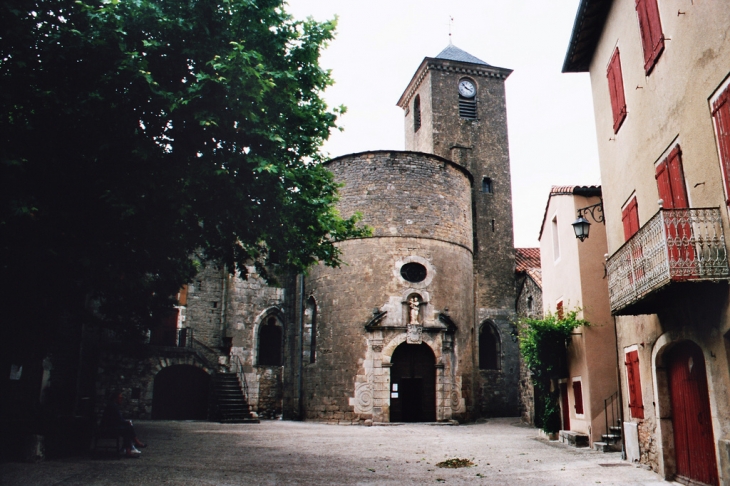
point(636, 404)
point(578, 396)
point(630, 218)
point(650, 25)
point(560, 312)
point(663, 184)
point(721, 114)
point(616, 90)
point(676, 178)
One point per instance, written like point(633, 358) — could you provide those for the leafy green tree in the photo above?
point(543, 345)
point(135, 134)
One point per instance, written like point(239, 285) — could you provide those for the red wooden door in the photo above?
point(694, 442)
point(565, 407)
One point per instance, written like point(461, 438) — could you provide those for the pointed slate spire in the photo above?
point(453, 53)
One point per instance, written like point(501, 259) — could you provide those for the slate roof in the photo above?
point(587, 29)
point(453, 53)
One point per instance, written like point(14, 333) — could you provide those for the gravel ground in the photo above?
point(279, 452)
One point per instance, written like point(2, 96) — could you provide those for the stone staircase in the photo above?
point(611, 442)
point(231, 403)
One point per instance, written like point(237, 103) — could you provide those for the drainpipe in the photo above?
point(224, 320)
point(301, 347)
point(620, 392)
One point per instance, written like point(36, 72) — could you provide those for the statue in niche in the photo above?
point(414, 303)
point(414, 333)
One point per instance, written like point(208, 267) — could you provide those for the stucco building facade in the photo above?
point(659, 73)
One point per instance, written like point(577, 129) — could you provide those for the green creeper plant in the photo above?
point(543, 344)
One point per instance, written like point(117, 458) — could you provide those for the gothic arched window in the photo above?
point(270, 343)
point(489, 347)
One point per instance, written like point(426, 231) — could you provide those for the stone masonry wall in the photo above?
point(406, 194)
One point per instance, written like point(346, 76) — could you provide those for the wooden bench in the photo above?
point(109, 438)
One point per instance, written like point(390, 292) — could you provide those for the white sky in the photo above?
point(380, 44)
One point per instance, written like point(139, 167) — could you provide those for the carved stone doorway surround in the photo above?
point(372, 384)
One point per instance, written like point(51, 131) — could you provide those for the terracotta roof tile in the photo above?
point(526, 258)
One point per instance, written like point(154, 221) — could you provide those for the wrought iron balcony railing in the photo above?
point(674, 245)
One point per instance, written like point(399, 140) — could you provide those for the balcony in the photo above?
point(675, 246)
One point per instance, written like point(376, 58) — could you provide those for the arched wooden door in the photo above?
point(694, 442)
point(413, 384)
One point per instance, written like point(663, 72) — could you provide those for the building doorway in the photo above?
point(181, 393)
point(694, 443)
point(565, 405)
point(413, 384)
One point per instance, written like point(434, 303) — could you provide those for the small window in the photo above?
point(417, 113)
point(413, 272)
point(489, 347)
point(556, 239)
point(530, 303)
point(487, 186)
point(630, 218)
point(616, 91)
point(270, 343)
point(578, 396)
point(636, 403)
point(652, 38)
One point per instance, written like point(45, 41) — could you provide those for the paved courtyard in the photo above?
point(279, 452)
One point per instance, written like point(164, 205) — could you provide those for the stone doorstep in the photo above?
point(574, 439)
point(606, 447)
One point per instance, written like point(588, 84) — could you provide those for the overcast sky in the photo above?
point(380, 44)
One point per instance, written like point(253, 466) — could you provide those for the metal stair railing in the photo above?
point(241, 375)
point(611, 402)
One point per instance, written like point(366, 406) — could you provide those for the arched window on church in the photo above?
point(270, 343)
point(311, 315)
point(489, 347)
point(530, 304)
point(416, 113)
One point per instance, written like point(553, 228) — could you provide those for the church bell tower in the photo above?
point(455, 107)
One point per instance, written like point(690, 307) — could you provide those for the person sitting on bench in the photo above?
point(112, 421)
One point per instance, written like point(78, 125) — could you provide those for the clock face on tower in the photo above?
point(467, 88)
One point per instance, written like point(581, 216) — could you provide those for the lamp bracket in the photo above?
point(595, 210)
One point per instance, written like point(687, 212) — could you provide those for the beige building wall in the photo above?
point(573, 272)
point(669, 106)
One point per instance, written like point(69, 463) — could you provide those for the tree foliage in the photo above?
point(542, 344)
point(136, 133)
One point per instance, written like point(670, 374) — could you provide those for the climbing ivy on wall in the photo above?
point(543, 344)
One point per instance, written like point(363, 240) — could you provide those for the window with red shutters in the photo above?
point(721, 115)
point(652, 38)
point(670, 181)
point(636, 404)
point(616, 90)
point(630, 218)
point(578, 396)
point(559, 310)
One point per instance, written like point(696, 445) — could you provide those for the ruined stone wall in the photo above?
point(250, 302)
point(527, 288)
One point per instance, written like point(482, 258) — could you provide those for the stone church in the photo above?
point(418, 325)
